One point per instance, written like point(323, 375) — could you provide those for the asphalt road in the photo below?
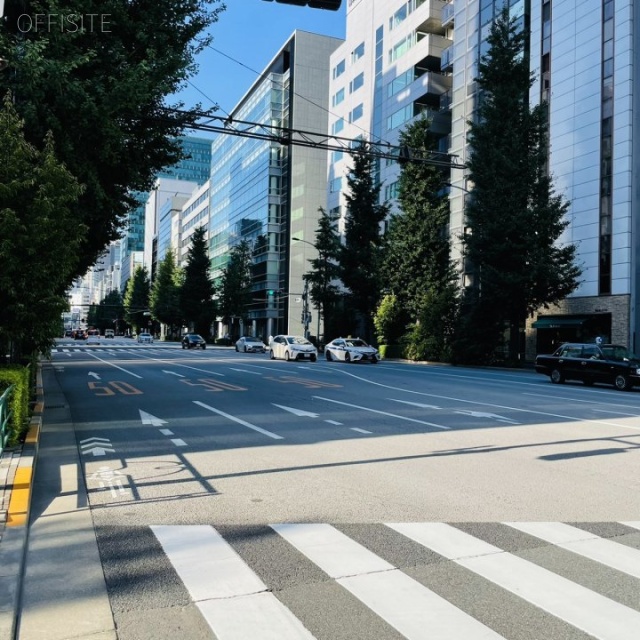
point(236, 497)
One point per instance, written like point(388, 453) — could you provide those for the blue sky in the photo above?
point(246, 37)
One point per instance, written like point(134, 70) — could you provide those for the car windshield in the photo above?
point(297, 340)
point(252, 340)
point(618, 353)
point(195, 336)
point(356, 343)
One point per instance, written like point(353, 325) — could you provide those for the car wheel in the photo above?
point(183, 347)
point(237, 350)
point(328, 356)
point(271, 354)
point(204, 346)
point(313, 358)
point(374, 360)
point(245, 349)
point(347, 357)
point(556, 376)
point(622, 382)
point(286, 356)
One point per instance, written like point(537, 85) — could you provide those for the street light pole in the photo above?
point(305, 296)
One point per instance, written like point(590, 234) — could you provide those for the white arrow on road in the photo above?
point(297, 412)
point(173, 373)
point(147, 418)
point(95, 375)
point(96, 446)
point(482, 414)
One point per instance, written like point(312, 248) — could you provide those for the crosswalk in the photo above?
point(419, 580)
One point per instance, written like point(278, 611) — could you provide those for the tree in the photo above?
point(164, 300)
point(417, 267)
point(235, 285)
point(136, 299)
point(196, 293)
point(40, 239)
point(325, 270)
point(101, 91)
point(514, 216)
point(361, 254)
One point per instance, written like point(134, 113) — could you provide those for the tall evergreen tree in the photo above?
point(40, 238)
point(514, 216)
point(196, 293)
point(101, 91)
point(417, 267)
point(235, 285)
point(361, 254)
point(325, 270)
point(164, 300)
point(136, 299)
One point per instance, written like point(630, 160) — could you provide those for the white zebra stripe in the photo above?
point(411, 608)
point(584, 609)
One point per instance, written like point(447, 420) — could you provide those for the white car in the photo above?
point(292, 348)
point(351, 350)
point(145, 338)
point(249, 344)
point(92, 340)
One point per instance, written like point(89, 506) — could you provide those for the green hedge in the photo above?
point(19, 400)
point(391, 351)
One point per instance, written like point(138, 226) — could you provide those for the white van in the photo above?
point(109, 333)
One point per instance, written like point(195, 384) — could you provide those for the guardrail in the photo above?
point(5, 416)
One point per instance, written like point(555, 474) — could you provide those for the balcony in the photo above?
point(446, 59)
point(447, 15)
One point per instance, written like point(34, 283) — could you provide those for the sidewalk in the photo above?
point(17, 469)
point(51, 580)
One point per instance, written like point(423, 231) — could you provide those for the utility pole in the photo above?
point(306, 316)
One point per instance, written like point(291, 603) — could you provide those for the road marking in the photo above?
point(111, 479)
point(606, 552)
point(403, 602)
point(147, 418)
point(166, 432)
point(253, 373)
point(489, 404)
point(214, 385)
point(239, 421)
point(384, 413)
point(338, 424)
point(360, 430)
point(231, 597)
point(111, 364)
point(297, 412)
point(589, 611)
point(179, 442)
point(96, 446)
point(173, 373)
point(416, 404)
point(483, 414)
point(310, 384)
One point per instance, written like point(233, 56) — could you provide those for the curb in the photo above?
point(15, 536)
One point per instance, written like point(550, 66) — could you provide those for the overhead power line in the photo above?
point(205, 121)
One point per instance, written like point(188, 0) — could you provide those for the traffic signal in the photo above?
point(331, 5)
point(270, 292)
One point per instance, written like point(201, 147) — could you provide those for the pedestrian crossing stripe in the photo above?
point(237, 603)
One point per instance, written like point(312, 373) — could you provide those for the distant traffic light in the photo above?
point(331, 5)
point(270, 292)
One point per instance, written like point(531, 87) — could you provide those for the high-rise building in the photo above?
point(267, 193)
point(402, 57)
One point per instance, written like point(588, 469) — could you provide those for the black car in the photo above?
point(193, 341)
point(589, 363)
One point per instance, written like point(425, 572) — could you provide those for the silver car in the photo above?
point(249, 344)
point(145, 338)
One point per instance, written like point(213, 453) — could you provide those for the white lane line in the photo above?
point(612, 554)
point(239, 421)
point(65, 350)
point(166, 432)
point(231, 597)
point(604, 401)
point(591, 612)
point(384, 413)
point(360, 430)
point(111, 364)
point(411, 608)
point(179, 442)
point(253, 373)
point(489, 404)
point(338, 424)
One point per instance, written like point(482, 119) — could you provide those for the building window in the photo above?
point(356, 113)
point(335, 185)
point(357, 53)
point(356, 83)
point(337, 126)
point(339, 69)
point(338, 97)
